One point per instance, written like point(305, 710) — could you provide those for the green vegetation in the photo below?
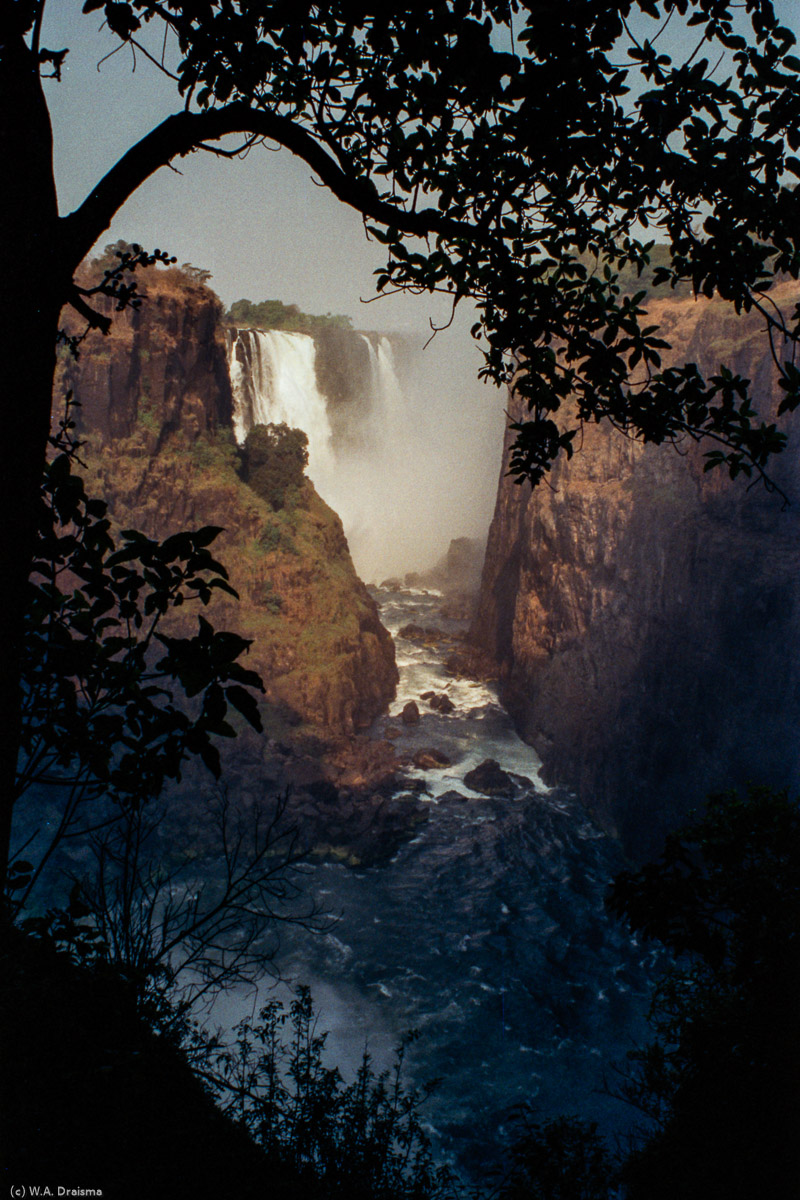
point(274, 314)
point(429, 122)
point(294, 557)
point(112, 705)
point(274, 459)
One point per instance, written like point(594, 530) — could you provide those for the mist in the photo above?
point(403, 442)
point(428, 472)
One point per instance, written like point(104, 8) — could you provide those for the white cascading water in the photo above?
point(411, 475)
point(376, 487)
point(274, 381)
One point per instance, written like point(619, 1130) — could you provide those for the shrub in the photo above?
point(274, 459)
point(362, 1140)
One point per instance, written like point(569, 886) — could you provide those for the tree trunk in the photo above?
point(34, 285)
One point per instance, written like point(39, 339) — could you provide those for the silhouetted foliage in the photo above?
point(91, 1094)
point(519, 156)
point(562, 1159)
point(112, 706)
point(362, 1141)
point(274, 459)
point(91, 1097)
point(118, 265)
point(720, 1083)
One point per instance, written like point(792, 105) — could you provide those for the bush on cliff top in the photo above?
point(274, 314)
point(274, 459)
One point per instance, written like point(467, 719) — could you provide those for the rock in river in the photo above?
point(490, 779)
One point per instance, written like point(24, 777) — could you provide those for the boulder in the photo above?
point(453, 797)
point(490, 779)
point(421, 633)
point(442, 704)
point(412, 630)
point(410, 713)
point(431, 759)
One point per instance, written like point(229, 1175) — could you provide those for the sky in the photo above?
point(265, 229)
point(260, 225)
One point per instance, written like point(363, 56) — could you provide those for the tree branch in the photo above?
point(184, 132)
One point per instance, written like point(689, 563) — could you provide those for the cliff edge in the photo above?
point(643, 616)
point(155, 411)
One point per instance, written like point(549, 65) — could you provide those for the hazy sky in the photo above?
point(261, 225)
point(266, 230)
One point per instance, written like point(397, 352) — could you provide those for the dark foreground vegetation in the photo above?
point(108, 1082)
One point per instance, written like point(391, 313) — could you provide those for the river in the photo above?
point(486, 932)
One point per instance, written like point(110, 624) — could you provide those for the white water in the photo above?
point(376, 488)
point(404, 484)
point(478, 726)
point(274, 381)
point(486, 929)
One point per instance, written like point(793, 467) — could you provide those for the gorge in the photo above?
point(643, 614)
point(640, 618)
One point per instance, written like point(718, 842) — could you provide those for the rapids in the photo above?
point(486, 932)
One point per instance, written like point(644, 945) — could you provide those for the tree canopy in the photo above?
point(519, 155)
point(719, 1082)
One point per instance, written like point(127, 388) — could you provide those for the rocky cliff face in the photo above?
point(155, 409)
point(162, 367)
point(644, 617)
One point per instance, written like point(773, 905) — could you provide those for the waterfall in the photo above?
point(402, 474)
point(374, 489)
point(274, 381)
point(388, 413)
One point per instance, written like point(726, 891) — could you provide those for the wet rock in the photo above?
point(364, 832)
point(431, 759)
point(303, 774)
point(458, 608)
point(410, 713)
point(490, 779)
point(412, 630)
point(362, 764)
point(442, 704)
point(422, 633)
point(453, 797)
point(427, 695)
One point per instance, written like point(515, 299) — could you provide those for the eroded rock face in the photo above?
point(161, 368)
point(645, 616)
point(156, 412)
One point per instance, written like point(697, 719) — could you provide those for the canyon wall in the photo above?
point(156, 413)
point(644, 616)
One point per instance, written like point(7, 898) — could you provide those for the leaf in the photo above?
point(206, 535)
point(246, 704)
